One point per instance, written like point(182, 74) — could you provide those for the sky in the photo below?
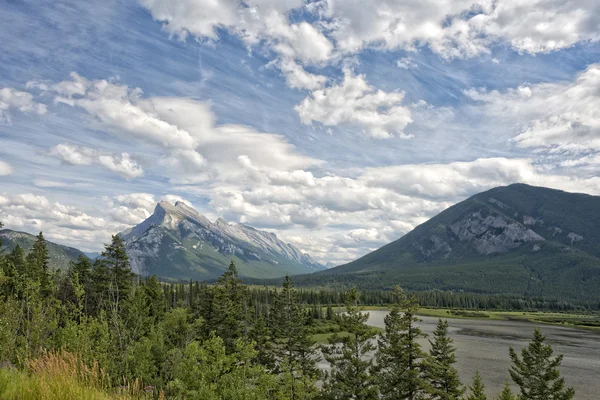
point(340, 125)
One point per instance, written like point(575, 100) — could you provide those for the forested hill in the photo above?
point(59, 256)
point(517, 239)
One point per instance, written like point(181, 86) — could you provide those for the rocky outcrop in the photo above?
point(492, 233)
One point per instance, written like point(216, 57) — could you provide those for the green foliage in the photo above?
point(477, 389)
point(294, 353)
point(350, 376)
point(400, 360)
point(440, 372)
point(142, 338)
point(536, 371)
point(506, 393)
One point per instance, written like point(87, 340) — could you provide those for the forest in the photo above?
point(97, 331)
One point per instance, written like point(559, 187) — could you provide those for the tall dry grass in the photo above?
point(64, 376)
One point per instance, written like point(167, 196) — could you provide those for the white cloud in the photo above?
point(354, 102)
point(195, 150)
point(14, 99)
point(451, 28)
point(297, 77)
point(5, 168)
point(554, 117)
point(44, 183)
point(78, 155)
point(406, 63)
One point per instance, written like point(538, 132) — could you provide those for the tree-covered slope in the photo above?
point(60, 256)
point(517, 239)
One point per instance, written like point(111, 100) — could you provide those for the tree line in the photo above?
point(231, 341)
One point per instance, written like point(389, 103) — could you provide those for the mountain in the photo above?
point(517, 239)
point(60, 256)
point(177, 242)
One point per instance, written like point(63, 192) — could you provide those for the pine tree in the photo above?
point(537, 373)
point(350, 376)
point(506, 394)
point(400, 360)
point(477, 389)
point(440, 372)
point(295, 353)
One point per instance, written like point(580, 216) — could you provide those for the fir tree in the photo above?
point(440, 372)
point(506, 393)
point(350, 376)
point(400, 360)
point(477, 389)
point(536, 371)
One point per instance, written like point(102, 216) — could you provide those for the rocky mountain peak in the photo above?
point(199, 244)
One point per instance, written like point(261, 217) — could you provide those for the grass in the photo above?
point(62, 376)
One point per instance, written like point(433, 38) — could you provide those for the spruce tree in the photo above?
point(506, 393)
point(536, 371)
point(263, 340)
point(350, 376)
point(229, 316)
point(400, 360)
point(295, 351)
point(37, 264)
point(440, 372)
point(477, 389)
point(117, 262)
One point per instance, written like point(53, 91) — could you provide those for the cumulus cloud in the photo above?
point(121, 164)
point(11, 99)
point(194, 148)
point(5, 168)
point(354, 102)
point(553, 117)
point(297, 77)
point(451, 28)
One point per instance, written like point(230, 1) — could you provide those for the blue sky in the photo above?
point(338, 125)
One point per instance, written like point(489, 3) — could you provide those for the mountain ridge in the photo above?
point(178, 242)
point(516, 239)
point(60, 255)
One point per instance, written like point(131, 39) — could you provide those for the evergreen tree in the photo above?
point(295, 352)
point(477, 389)
point(37, 261)
point(229, 316)
point(506, 393)
point(117, 262)
point(261, 335)
point(440, 372)
point(536, 371)
point(400, 360)
point(350, 376)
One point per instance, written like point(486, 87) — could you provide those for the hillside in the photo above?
point(517, 239)
point(60, 256)
point(177, 242)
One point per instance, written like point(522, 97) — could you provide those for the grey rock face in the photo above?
point(184, 223)
point(493, 233)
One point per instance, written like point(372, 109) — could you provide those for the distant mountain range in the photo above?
point(60, 256)
point(177, 242)
point(517, 239)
